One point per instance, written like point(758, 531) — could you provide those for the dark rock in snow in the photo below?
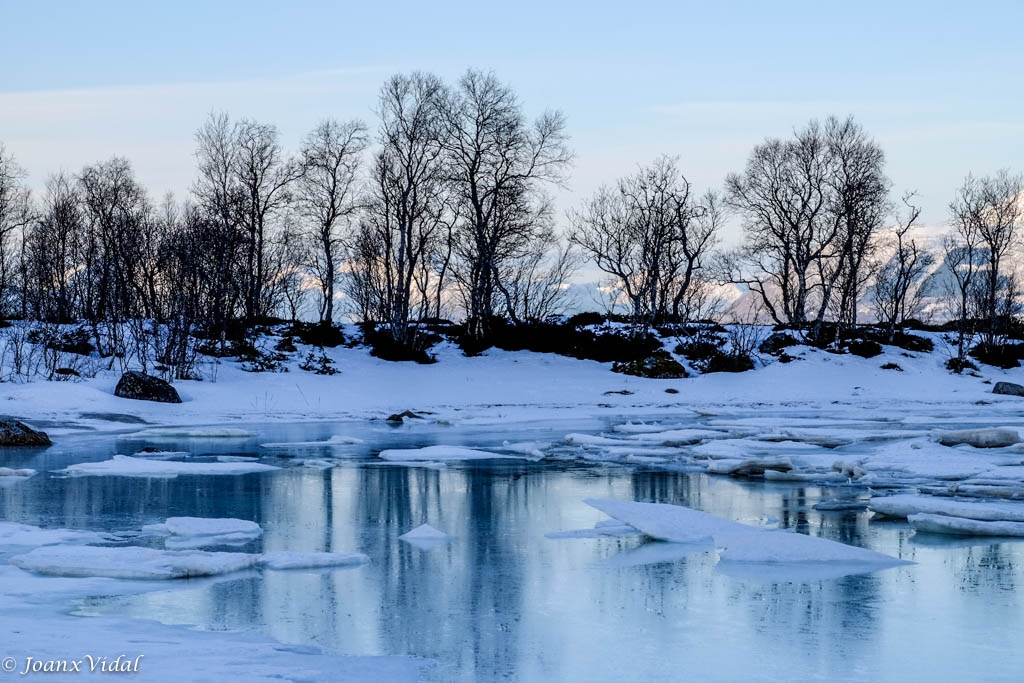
point(1008, 389)
point(144, 387)
point(14, 433)
point(404, 415)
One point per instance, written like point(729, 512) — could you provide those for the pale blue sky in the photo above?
point(939, 84)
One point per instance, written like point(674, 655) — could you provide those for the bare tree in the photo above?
point(408, 206)
point(990, 209)
point(53, 248)
point(651, 236)
point(900, 285)
point(15, 215)
point(964, 259)
point(331, 156)
point(497, 163)
point(265, 177)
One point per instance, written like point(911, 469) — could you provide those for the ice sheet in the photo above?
point(192, 433)
point(25, 535)
point(131, 562)
point(282, 559)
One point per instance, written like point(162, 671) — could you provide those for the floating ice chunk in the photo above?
point(639, 428)
point(442, 453)
point(533, 449)
point(191, 433)
point(282, 559)
point(904, 505)
point(336, 440)
point(128, 466)
point(593, 440)
point(425, 537)
point(960, 526)
point(162, 455)
point(679, 437)
point(607, 527)
point(23, 473)
point(645, 459)
point(658, 552)
point(130, 562)
point(201, 532)
point(992, 437)
point(426, 464)
point(317, 464)
point(750, 466)
point(841, 506)
point(26, 535)
point(741, 542)
point(816, 477)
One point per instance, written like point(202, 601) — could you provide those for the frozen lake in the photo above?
point(502, 601)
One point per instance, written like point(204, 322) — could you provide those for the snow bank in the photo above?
point(191, 433)
point(905, 505)
point(959, 526)
point(128, 466)
point(282, 559)
point(740, 542)
point(992, 437)
point(130, 562)
point(442, 454)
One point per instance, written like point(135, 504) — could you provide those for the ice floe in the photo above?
point(960, 526)
point(283, 559)
point(26, 535)
point(23, 473)
point(441, 454)
point(192, 433)
point(128, 466)
point(740, 543)
point(425, 537)
point(200, 532)
point(992, 437)
point(131, 562)
point(336, 440)
point(905, 505)
point(606, 527)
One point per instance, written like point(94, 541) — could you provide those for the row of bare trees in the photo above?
point(445, 207)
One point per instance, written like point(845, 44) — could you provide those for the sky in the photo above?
point(938, 84)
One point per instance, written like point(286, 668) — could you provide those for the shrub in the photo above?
point(776, 342)
point(659, 365)
point(865, 348)
point(729, 363)
point(75, 340)
point(319, 363)
point(958, 365)
point(383, 345)
point(286, 345)
point(586, 319)
point(317, 334)
point(892, 366)
point(1004, 356)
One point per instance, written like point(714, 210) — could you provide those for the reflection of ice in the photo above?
point(959, 526)
point(441, 453)
point(658, 552)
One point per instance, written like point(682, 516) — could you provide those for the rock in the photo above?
point(404, 415)
point(991, 437)
point(1008, 389)
point(14, 433)
point(144, 387)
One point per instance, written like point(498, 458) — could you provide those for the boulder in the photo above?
point(144, 387)
point(1008, 389)
point(403, 416)
point(14, 433)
